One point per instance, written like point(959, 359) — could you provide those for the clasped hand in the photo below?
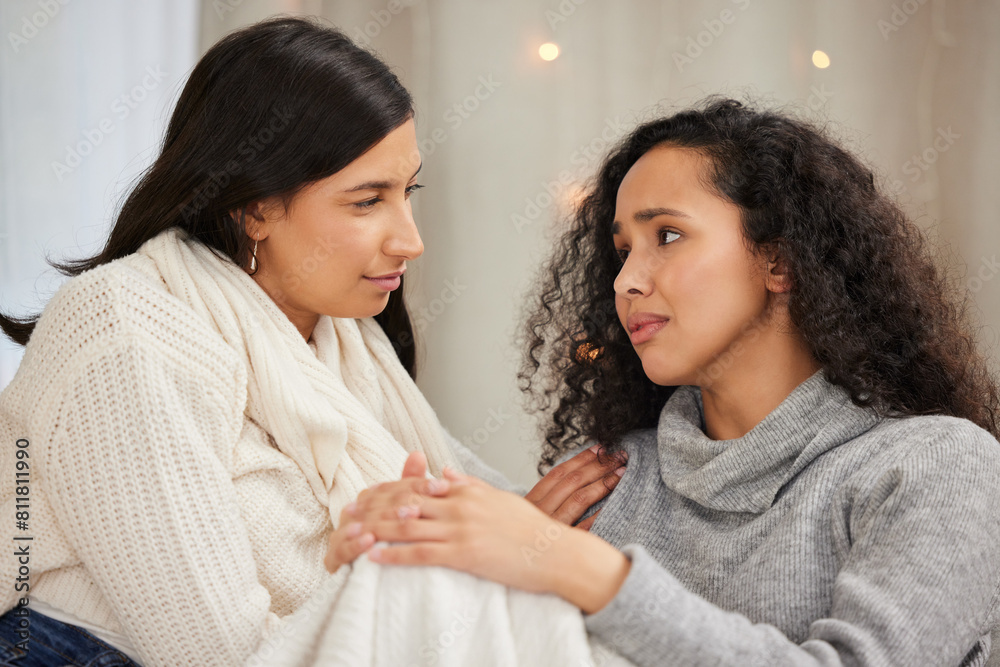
point(463, 523)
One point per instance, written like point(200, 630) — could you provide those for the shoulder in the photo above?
point(125, 305)
point(632, 442)
point(921, 440)
point(641, 438)
point(117, 299)
point(927, 463)
point(642, 449)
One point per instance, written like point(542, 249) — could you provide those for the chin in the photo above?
point(657, 374)
point(359, 312)
point(376, 309)
point(667, 373)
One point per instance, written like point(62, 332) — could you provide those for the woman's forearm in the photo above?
point(588, 571)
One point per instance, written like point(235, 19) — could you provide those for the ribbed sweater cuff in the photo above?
point(643, 600)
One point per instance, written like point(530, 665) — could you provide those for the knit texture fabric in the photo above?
point(824, 536)
point(348, 413)
point(419, 616)
point(187, 448)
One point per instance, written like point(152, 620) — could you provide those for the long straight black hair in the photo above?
point(268, 110)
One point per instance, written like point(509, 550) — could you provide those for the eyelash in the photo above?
point(371, 202)
point(623, 254)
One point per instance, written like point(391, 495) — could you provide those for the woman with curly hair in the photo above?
point(814, 475)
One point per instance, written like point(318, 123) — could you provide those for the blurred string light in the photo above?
point(571, 197)
point(821, 60)
point(548, 51)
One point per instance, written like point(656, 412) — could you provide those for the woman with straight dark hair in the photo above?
point(814, 472)
point(197, 404)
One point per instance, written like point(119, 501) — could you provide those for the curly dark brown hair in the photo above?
point(875, 312)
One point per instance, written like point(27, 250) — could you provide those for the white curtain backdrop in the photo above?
point(913, 85)
point(507, 137)
point(85, 93)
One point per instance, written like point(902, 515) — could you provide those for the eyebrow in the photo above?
point(647, 214)
point(381, 185)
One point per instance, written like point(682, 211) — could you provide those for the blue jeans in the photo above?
point(52, 643)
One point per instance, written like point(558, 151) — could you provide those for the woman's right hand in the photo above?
point(346, 543)
point(569, 489)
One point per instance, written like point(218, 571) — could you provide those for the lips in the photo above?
point(643, 326)
point(387, 282)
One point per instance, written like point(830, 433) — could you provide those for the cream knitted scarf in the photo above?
point(347, 413)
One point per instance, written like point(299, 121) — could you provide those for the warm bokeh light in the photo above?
point(548, 51)
point(821, 60)
point(571, 197)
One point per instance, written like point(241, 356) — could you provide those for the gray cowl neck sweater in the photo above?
point(824, 536)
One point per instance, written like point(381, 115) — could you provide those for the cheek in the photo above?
point(339, 255)
point(691, 283)
point(712, 292)
point(621, 308)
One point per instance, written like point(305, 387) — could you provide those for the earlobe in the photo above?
point(778, 276)
point(251, 221)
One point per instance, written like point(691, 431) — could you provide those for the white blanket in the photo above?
point(400, 616)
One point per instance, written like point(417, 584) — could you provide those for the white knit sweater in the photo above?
point(158, 508)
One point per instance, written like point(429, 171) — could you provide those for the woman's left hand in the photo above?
point(496, 535)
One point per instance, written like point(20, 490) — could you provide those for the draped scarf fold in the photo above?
point(341, 406)
point(345, 410)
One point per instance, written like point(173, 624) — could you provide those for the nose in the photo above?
point(634, 279)
point(404, 239)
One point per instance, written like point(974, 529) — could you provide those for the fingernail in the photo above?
point(353, 529)
point(352, 507)
point(366, 540)
point(375, 553)
point(407, 511)
point(620, 471)
point(437, 486)
point(454, 476)
point(595, 448)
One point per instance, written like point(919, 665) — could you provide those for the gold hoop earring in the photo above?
point(253, 258)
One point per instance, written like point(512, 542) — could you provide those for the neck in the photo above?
point(763, 376)
point(303, 320)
